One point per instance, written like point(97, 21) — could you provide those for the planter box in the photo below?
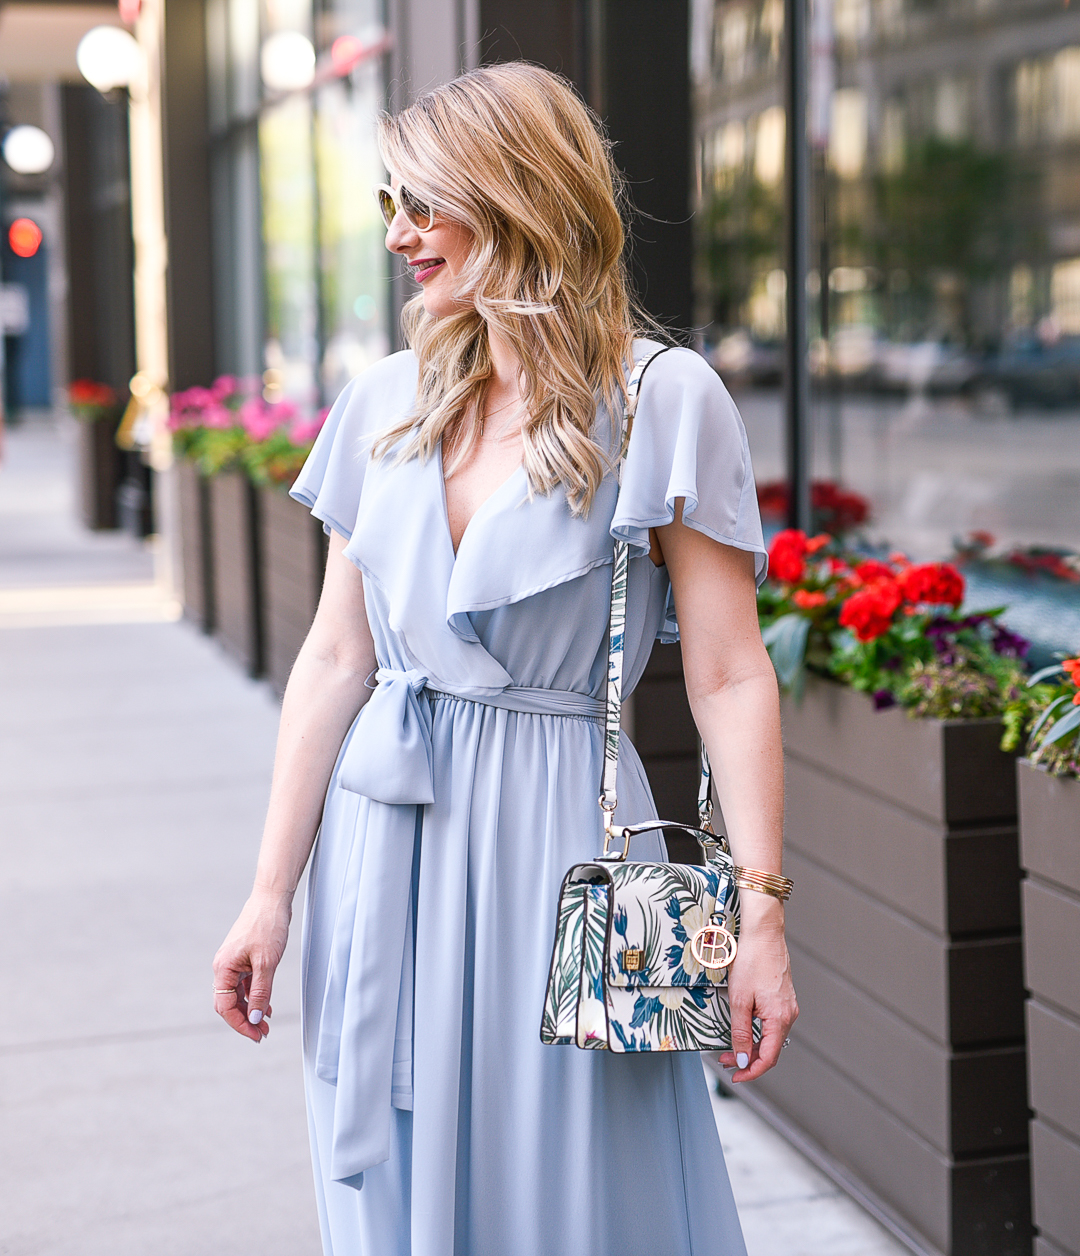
point(292, 549)
point(660, 724)
point(1050, 853)
point(135, 498)
point(907, 1066)
point(196, 552)
point(238, 621)
point(101, 469)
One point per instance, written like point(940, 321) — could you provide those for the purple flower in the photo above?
point(1010, 644)
point(883, 699)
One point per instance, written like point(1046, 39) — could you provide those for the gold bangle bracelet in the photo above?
point(764, 883)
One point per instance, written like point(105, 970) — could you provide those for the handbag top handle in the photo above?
point(616, 640)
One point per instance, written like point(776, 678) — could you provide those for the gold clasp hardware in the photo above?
point(612, 833)
point(633, 960)
point(713, 946)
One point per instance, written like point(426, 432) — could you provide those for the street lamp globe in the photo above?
point(287, 62)
point(108, 57)
point(28, 150)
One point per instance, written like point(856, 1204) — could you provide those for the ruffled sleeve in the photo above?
point(332, 478)
point(688, 441)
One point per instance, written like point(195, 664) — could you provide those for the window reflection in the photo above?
point(288, 199)
point(302, 292)
point(945, 283)
point(353, 258)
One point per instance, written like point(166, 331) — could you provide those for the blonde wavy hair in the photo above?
point(512, 153)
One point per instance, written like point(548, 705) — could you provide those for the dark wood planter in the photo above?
point(1050, 853)
point(906, 1069)
point(235, 534)
point(293, 553)
point(101, 470)
point(664, 733)
point(196, 551)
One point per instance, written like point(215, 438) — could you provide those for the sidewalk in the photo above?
point(134, 766)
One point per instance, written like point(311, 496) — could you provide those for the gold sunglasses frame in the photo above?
point(386, 196)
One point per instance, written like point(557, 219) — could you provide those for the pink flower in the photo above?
point(225, 386)
point(261, 421)
point(189, 408)
point(304, 431)
point(218, 416)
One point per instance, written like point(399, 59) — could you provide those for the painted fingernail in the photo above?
point(741, 1058)
point(254, 1016)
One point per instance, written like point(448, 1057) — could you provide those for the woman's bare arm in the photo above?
point(325, 691)
point(733, 695)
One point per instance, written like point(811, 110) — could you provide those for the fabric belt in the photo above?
point(364, 1045)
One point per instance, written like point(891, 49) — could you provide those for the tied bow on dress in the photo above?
point(365, 1030)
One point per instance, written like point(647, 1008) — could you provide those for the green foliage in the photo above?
point(275, 461)
point(216, 449)
point(954, 213)
point(892, 629)
point(972, 686)
point(741, 225)
point(1051, 718)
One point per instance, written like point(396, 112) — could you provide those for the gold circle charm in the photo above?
point(713, 946)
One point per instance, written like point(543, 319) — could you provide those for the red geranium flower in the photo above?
point(808, 599)
point(939, 584)
point(786, 555)
point(88, 392)
point(869, 612)
point(872, 570)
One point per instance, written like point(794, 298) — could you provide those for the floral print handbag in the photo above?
point(642, 950)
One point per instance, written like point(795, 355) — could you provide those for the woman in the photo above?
point(442, 727)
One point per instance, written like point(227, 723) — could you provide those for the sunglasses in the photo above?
point(421, 216)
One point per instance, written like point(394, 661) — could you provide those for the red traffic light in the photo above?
point(24, 236)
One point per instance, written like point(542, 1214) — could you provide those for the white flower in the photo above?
point(672, 997)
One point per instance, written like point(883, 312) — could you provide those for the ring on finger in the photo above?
point(232, 991)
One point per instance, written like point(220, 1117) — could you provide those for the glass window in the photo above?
point(354, 265)
point(944, 284)
point(289, 241)
point(302, 288)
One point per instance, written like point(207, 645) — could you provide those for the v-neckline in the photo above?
point(478, 511)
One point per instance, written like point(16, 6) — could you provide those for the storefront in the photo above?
point(301, 291)
point(943, 278)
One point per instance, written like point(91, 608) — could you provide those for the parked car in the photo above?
point(740, 358)
point(1029, 371)
point(925, 366)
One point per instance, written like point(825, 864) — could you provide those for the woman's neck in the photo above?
point(505, 382)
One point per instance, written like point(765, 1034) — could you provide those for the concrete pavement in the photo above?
point(134, 766)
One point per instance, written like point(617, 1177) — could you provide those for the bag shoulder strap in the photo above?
point(617, 633)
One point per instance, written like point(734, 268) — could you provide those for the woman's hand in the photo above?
point(246, 961)
point(759, 984)
point(325, 691)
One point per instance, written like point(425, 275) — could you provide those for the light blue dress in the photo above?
point(464, 790)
